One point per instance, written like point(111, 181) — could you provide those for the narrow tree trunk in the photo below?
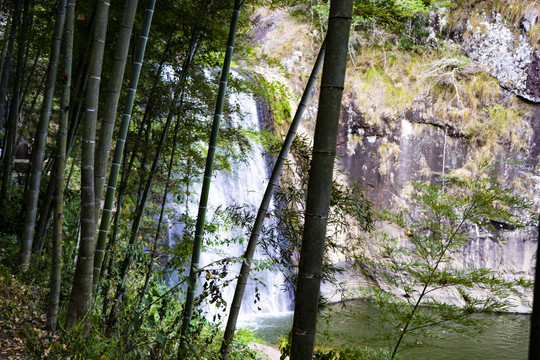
point(108, 259)
point(75, 114)
point(44, 214)
point(199, 227)
point(9, 137)
point(10, 144)
point(26, 28)
point(137, 220)
point(145, 191)
point(6, 69)
point(320, 181)
point(162, 212)
point(40, 87)
point(38, 150)
point(61, 148)
point(81, 71)
point(81, 292)
point(29, 79)
point(120, 142)
point(111, 101)
point(5, 41)
point(79, 83)
point(263, 209)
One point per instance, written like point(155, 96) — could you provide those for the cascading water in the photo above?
point(243, 186)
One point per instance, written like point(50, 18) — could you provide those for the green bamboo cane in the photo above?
point(38, 151)
point(10, 147)
point(121, 140)
point(6, 66)
point(199, 227)
point(263, 208)
point(5, 40)
point(8, 151)
point(320, 181)
point(60, 162)
point(81, 291)
point(177, 101)
point(30, 77)
point(120, 289)
point(190, 55)
point(111, 101)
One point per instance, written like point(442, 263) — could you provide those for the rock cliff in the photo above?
point(414, 115)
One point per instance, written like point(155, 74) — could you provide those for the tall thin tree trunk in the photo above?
point(75, 106)
point(10, 143)
point(111, 101)
point(30, 78)
point(6, 68)
point(79, 83)
point(44, 214)
point(199, 227)
point(38, 150)
point(5, 41)
point(9, 137)
point(138, 219)
point(320, 181)
point(263, 209)
point(108, 258)
point(146, 186)
point(120, 142)
point(81, 292)
point(26, 28)
point(40, 87)
point(61, 148)
point(75, 114)
point(162, 212)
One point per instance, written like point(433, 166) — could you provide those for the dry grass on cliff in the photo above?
point(441, 85)
point(384, 83)
point(512, 11)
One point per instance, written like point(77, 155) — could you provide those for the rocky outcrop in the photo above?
point(507, 54)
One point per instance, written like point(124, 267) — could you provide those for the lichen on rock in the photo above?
point(507, 56)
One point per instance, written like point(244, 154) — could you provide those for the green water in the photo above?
point(506, 338)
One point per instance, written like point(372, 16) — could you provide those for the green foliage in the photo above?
point(348, 205)
point(419, 261)
point(356, 353)
point(11, 220)
point(277, 97)
point(9, 248)
point(342, 353)
point(406, 22)
point(386, 12)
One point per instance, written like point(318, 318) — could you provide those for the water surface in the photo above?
point(505, 339)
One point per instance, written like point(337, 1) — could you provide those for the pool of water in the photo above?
point(506, 337)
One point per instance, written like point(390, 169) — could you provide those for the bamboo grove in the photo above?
point(89, 216)
point(67, 68)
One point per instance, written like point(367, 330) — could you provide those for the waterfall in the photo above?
point(243, 186)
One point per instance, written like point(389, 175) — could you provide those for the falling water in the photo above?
point(243, 186)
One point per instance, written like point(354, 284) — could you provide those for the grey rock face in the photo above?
point(507, 57)
point(426, 150)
